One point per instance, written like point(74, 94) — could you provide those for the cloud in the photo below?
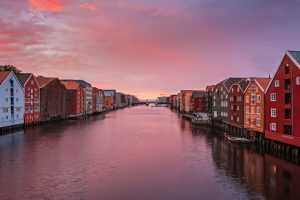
point(47, 5)
point(88, 6)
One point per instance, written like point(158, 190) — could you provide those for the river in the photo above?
point(137, 153)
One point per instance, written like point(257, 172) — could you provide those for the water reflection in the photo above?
point(138, 153)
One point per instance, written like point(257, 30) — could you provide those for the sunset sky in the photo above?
point(148, 47)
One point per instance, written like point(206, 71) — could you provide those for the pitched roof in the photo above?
point(244, 83)
point(210, 88)
point(263, 82)
point(70, 85)
point(230, 81)
point(43, 81)
point(3, 76)
point(83, 83)
point(295, 55)
point(23, 77)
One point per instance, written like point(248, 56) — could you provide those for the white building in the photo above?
point(11, 100)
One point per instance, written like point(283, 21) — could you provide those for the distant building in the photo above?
point(110, 99)
point(162, 100)
point(282, 101)
point(220, 98)
point(12, 100)
point(74, 98)
point(52, 98)
point(31, 97)
point(209, 95)
point(88, 109)
point(198, 101)
point(98, 100)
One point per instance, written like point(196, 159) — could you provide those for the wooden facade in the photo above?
point(52, 98)
point(282, 101)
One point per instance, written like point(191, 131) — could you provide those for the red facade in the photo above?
point(74, 98)
point(199, 102)
point(282, 102)
point(236, 106)
point(52, 98)
point(95, 93)
point(32, 98)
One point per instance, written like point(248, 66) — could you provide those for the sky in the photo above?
point(148, 47)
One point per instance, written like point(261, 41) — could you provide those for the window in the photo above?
point(238, 89)
point(222, 96)
point(214, 103)
point(238, 108)
point(273, 126)
point(287, 98)
point(247, 109)
point(6, 99)
point(32, 82)
point(226, 96)
point(252, 110)
point(258, 110)
point(287, 129)
point(237, 119)
point(258, 97)
point(273, 112)
point(18, 109)
point(247, 99)
point(277, 83)
point(231, 117)
point(273, 96)
point(231, 107)
point(5, 110)
point(247, 120)
point(257, 122)
point(17, 99)
point(287, 114)
point(287, 69)
point(214, 97)
point(298, 80)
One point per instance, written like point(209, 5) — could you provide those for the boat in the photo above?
point(200, 119)
point(238, 140)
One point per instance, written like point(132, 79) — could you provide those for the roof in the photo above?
point(83, 83)
point(198, 94)
point(109, 92)
point(210, 88)
point(3, 76)
point(263, 82)
point(295, 55)
point(244, 83)
point(230, 81)
point(23, 77)
point(43, 81)
point(70, 85)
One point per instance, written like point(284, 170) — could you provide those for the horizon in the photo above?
point(147, 48)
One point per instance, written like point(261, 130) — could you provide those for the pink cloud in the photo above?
point(46, 5)
point(88, 6)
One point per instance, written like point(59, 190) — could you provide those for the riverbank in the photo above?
point(218, 127)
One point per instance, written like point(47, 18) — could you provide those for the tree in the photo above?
point(4, 68)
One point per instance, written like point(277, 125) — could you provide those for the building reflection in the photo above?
point(260, 173)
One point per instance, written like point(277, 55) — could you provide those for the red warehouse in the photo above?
point(283, 101)
point(74, 98)
point(32, 97)
point(236, 103)
point(198, 101)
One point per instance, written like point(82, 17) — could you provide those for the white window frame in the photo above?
point(277, 83)
point(258, 110)
point(273, 97)
point(273, 112)
point(273, 126)
point(298, 80)
point(258, 98)
point(247, 99)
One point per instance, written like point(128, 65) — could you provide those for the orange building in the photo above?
point(254, 104)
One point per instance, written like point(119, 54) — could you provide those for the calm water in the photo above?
point(137, 153)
